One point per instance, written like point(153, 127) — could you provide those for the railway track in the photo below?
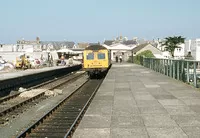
point(44, 84)
point(62, 120)
point(12, 106)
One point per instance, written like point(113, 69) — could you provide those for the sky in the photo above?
point(97, 20)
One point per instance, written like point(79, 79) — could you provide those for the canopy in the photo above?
point(119, 46)
point(65, 51)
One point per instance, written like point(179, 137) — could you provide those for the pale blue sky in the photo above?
point(94, 20)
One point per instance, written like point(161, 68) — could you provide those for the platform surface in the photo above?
point(136, 102)
point(19, 73)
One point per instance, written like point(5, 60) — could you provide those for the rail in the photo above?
point(59, 82)
point(187, 71)
point(67, 110)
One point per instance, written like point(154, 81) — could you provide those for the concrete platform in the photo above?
point(30, 77)
point(19, 73)
point(134, 101)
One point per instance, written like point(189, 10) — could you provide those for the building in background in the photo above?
point(193, 46)
point(143, 47)
point(179, 53)
point(82, 45)
point(56, 45)
point(28, 45)
point(121, 40)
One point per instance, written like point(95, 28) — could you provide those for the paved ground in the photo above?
point(134, 101)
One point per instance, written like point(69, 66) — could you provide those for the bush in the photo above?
point(146, 53)
point(139, 57)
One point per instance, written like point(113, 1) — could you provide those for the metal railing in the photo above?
point(187, 71)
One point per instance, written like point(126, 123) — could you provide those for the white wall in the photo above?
point(198, 49)
point(193, 47)
point(187, 47)
point(166, 54)
point(124, 57)
point(7, 47)
point(179, 53)
point(198, 53)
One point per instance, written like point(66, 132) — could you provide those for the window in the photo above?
point(90, 56)
point(101, 55)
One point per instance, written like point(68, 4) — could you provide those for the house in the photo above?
point(82, 45)
point(179, 53)
point(119, 49)
point(8, 47)
point(143, 47)
point(193, 46)
point(28, 45)
point(56, 45)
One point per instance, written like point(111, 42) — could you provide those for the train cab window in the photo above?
point(101, 55)
point(90, 56)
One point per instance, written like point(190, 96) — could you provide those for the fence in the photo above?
point(187, 71)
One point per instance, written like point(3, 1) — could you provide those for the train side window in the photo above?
point(90, 56)
point(101, 55)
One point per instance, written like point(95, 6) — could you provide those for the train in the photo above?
point(96, 60)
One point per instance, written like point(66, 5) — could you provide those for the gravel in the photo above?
point(27, 118)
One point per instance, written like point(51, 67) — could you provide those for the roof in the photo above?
point(108, 42)
point(90, 44)
point(130, 42)
point(141, 41)
point(138, 48)
point(82, 45)
point(120, 46)
point(78, 49)
point(58, 44)
point(95, 47)
point(108, 47)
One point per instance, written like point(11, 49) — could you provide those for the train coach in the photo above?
point(96, 60)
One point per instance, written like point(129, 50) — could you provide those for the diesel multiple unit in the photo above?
point(96, 60)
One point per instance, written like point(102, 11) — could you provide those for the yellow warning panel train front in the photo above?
point(96, 60)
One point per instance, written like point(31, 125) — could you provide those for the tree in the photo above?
point(171, 43)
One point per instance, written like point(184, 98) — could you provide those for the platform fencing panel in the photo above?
point(187, 71)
